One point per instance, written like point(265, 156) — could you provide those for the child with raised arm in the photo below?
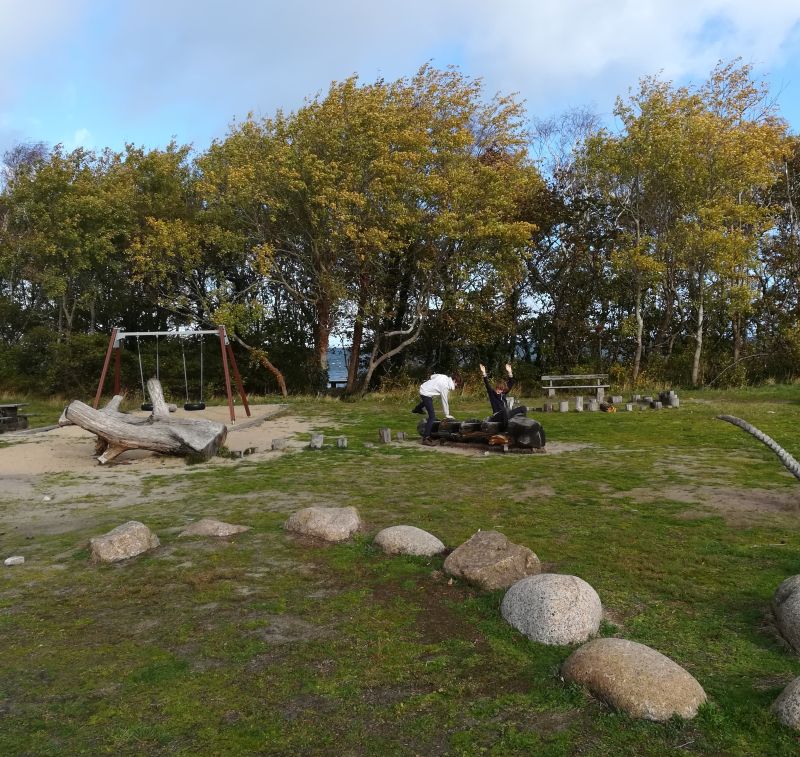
point(497, 396)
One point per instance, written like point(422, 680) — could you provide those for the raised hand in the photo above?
point(483, 369)
point(508, 368)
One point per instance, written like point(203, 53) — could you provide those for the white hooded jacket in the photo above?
point(438, 385)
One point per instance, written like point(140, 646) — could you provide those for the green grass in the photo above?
point(267, 644)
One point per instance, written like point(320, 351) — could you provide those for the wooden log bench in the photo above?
point(592, 381)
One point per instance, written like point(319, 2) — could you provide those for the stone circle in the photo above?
point(212, 527)
point(787, 706)
point(408, 540)
point(553, 609)
point(635, 678)
point(489, 560)
point(128, 540)
point(786, 608)
point(328, 523)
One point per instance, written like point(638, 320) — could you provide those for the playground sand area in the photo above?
point(70, 449)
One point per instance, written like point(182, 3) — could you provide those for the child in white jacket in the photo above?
point(438, 385)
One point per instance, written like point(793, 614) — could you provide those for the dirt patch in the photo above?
point(739, 507)
point(482, 453)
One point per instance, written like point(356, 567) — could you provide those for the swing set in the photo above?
point(115, 345)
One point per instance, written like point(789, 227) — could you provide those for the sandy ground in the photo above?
point(51, 482)
point(71, 449)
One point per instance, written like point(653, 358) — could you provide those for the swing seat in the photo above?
point(147, 406)
point(194, 406)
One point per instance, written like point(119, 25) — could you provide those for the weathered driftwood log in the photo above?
point(178, 436)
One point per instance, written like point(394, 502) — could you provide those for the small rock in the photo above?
point(212, 527)
point(635, 678)
point(787, 706)
point(553, 609)
point(128, 540)
point(489, 560)
point(408, 540)
point(15, 560)
point(47, 498)
point(786, 608)
point(329, 523)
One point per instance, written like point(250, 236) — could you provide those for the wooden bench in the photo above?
point(577, 381)
point(10, 417)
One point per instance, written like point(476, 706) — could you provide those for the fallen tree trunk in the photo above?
point(112, 410)
point(159, 433)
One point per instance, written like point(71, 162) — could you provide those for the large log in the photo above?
point(178, 436)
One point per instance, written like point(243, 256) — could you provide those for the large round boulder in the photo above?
point(786, 608)
point(408, 540)
point(128, 540)
point(489, 560)
point(634, 678)
point(328, 523)
point(212, 527)
point(787, 706)
point(553, 609)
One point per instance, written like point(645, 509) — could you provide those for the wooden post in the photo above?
point(401, 436)
point(278, 444)
point(629, 407)
point(105, 369)
point(117, 369)
point(237, 378)
point(341, 442)
point(563, 406)
point(317, 440)
point(594, 406)
point(222, 338)
point(656, 405)
point(385, 435)
point(579, 404)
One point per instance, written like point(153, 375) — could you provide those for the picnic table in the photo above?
point(10, 417)
point(592, 381)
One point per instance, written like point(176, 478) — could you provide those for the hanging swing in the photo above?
point(147, 405)
point(193, 405)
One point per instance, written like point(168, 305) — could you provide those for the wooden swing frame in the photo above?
point(114, 350)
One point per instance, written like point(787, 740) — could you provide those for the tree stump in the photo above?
point(594, 406)
point(341, 442)
point(563, 406)
point(401, 436)
point(629, 407)
point(317, 440)
point(278, 444)
point(579, 404)
point(385, 435)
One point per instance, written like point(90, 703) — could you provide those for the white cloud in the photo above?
point(186, 67)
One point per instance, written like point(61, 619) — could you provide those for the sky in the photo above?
point(103, 73)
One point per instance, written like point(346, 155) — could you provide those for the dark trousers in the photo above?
point(426, 403)
point(505, 414)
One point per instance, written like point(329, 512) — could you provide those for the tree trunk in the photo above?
point(355, 355)
point(322, 336)
point(179, 436)
point(637, 358)
point(261, 357)
point(698, 350)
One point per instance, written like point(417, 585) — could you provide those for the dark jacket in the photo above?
point(497, 401)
